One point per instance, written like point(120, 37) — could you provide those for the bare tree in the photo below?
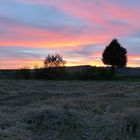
point(55, 60)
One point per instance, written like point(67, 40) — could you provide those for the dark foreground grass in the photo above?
point(69, 110)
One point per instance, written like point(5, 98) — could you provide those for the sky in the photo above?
point(77, 29)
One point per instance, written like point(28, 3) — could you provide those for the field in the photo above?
point(69, 110)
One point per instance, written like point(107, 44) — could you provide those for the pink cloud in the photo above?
point(94, 11)
point(22, 35)
point(104, 21)
point(99, 15)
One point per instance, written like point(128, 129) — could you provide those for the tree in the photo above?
point(115, 55)
point(55, 60)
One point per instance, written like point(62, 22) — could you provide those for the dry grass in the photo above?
point(69, 110)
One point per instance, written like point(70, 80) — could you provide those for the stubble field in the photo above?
point(69, 110)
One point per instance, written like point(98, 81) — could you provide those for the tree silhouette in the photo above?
point(115, 55)
point(55, 60)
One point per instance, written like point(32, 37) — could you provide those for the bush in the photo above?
point(62, 73)
point(59, 73)
point(85, 74)
point(39, 73)
point(94, 73)
point(104, 74)
point(23, 73)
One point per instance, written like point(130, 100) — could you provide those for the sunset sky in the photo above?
point(77, 29)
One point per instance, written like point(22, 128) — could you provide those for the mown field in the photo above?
point(69, 110)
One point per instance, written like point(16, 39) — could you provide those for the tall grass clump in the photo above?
point(56, 124)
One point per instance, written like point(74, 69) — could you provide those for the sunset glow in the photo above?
point(77, 29)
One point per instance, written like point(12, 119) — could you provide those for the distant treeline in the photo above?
point(75, 73)
point(65, 73)
point(86, 72)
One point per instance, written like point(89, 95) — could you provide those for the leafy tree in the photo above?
point(115, 55)
point(55, 60)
